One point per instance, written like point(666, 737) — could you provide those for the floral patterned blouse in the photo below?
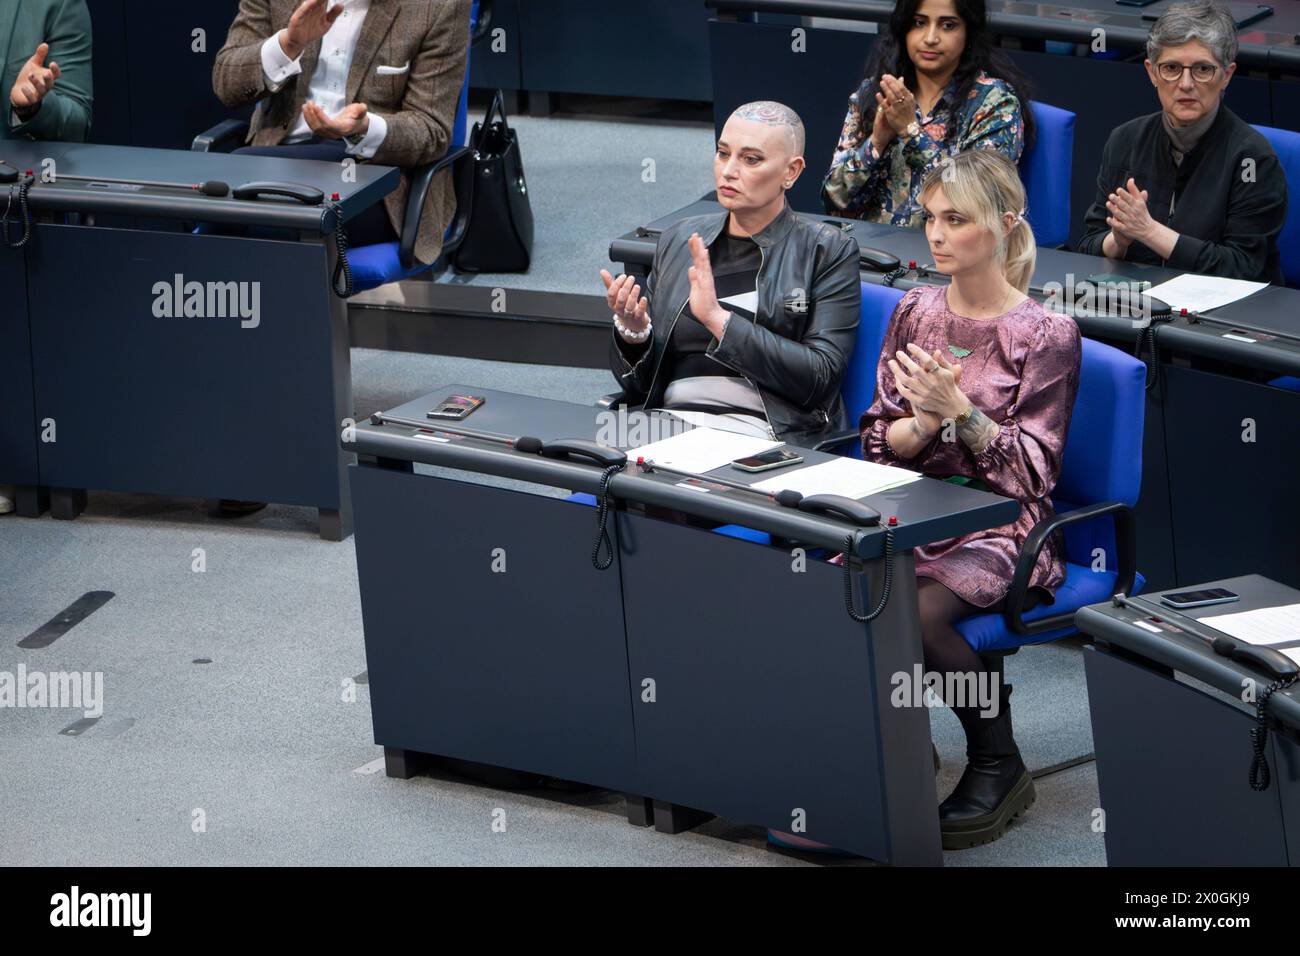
point(885, 189)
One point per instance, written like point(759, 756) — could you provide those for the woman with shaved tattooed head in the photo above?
point(748, 317)
point(935, 86)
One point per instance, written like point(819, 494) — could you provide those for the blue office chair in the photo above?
point(859, 388)
point(1101, 473)
point(1286, 143)
point(1045, 171)
point(383, 262)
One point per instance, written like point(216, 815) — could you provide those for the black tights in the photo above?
point(946, 651)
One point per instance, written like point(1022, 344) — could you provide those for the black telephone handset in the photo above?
point(1284, 673)
point(1268, 659)
point(9, 174)
point(307, 195)
point(877, 260)
point(567, 449)
point(841, 507)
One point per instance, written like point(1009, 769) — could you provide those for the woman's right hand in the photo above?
point(896, 109)
point(905, 370)
point(624, 298)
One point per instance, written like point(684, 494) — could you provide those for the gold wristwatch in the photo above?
point(964, 417)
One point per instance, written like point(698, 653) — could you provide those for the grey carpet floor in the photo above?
point(262, 744)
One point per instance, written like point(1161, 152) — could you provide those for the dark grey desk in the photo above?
point(699, 671)
point(212, 407)
point(1213, 376)
point(19, 426)
point(1173, 743)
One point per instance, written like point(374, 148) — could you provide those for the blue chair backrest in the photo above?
point(859, 388)
point(460, 128)
point(1045, 171)
point(1286, 143)
point(1103, 452)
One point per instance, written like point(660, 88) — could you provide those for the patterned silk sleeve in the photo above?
point(990, 119)
point(996, 122)
point(856, 178)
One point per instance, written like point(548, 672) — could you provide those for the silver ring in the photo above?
point(932, 367)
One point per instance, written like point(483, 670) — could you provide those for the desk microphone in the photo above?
point(213, 187)
point(525, 443)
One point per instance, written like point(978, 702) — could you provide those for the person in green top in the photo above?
point(45, 79)
point(45, 70)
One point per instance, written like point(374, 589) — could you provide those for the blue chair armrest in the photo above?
point(1125, 546)
point(837, 440)
point(462, 178)
point(218, 139)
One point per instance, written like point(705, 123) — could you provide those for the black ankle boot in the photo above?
point(994, 788)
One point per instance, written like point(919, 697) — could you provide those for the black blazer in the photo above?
point(1229, 197)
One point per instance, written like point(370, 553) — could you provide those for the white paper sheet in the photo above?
point(1266, 625)
point(842, 476)
point(1198, 293)
point(701, 449)
point(1293, 653)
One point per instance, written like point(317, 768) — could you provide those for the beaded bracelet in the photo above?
point(630, 336)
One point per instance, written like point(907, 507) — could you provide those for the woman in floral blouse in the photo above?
point(935, 87)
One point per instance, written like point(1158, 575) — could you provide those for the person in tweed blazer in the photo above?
point(377, 80)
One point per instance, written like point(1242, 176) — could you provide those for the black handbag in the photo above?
point(499, 236)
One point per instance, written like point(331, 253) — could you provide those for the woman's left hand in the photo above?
point(1129, 215)
point(930, 382)
point(704, 297)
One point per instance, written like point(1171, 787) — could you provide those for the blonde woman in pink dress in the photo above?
point(976, 383)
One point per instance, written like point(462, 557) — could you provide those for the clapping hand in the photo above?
point(34, 80)
point(311, 21)
point(1129, 217)
point(623, 295)
point(930, 383)
point(704, 297)
point(896, 108)
point(349, 121)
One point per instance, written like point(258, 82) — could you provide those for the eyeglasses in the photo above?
point(1172, 72)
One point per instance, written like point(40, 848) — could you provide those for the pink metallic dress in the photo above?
point(1020, 369)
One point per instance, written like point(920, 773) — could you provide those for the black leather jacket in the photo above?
point(797, 348)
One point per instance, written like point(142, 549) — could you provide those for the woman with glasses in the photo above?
point(1193, 186)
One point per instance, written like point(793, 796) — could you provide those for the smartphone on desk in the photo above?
point(455, 408)
point(767, 460)
point(1182, 600)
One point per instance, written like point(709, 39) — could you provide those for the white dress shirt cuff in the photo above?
point(370, 143)
point(277, 68)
